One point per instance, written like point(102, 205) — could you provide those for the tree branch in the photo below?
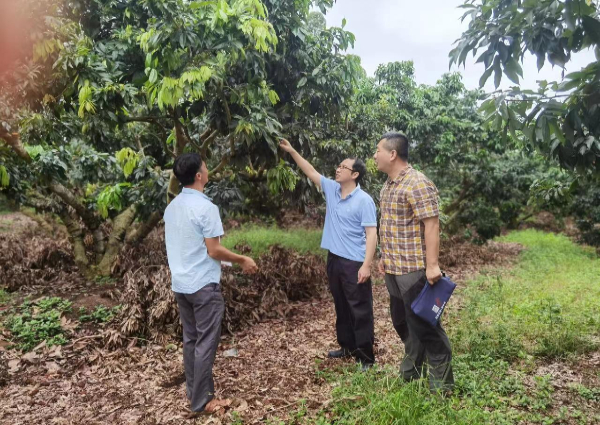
point(189, 138)
point(139, 233)
point(90, 219)
point(207, 142)
point(14, 141)
point(226, 158)
point(149, 119)
point(205, 133)
point(221, 165)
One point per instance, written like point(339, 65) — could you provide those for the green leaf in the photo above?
point(4, 176)
point(273, 97)
point(541, 59)
point(34, 150)
point(153, 76)
point(592, 28)
point(512, 69)
point(128, 160)
point(485, 76)
point(497, 72)
point(554, 129)
point(302, 82)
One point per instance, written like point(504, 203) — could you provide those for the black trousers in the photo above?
point(353, 307)
point(427, 348)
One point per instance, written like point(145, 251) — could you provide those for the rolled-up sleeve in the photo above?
point(423, 199)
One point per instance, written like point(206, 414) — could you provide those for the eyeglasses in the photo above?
point(345, 168)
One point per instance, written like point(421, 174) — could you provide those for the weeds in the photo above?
point(101, 314)
point(39, 321)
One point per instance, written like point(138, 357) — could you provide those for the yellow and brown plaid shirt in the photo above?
point(405, 201)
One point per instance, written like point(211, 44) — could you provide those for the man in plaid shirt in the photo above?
point(409, 236)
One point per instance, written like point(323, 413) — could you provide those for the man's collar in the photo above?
point(400, 175)
point(190, 191)
point(356, 189)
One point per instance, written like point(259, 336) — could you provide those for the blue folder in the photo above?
point(432, 300)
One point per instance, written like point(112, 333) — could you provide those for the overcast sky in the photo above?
point(423, 31)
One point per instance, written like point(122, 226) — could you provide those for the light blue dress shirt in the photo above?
point(346, 219)
point(190, 218)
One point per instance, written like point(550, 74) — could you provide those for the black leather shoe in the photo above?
point(365, 366)
point(339, 354)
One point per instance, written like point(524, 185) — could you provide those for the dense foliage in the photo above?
point(560, 119)
point(116, 90)
point(107, 94)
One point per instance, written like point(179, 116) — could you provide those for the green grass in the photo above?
point(259, 239)
point(545, 307)
point(4, 297)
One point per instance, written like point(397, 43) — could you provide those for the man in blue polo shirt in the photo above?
point(192, 233)
point(350, 236)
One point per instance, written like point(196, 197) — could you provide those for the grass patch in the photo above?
point(544, 307)
point(259, 239)
point(37, 322)
point(4, 297)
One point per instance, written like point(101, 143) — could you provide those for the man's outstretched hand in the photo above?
point(286, 146)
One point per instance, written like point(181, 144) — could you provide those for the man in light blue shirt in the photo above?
point(350, 236)
point(192, 233)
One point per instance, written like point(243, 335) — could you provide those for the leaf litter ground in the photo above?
point(270, 362)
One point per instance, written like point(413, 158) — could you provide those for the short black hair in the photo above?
point(360, 168)
point(397, 142)
point(185, 168)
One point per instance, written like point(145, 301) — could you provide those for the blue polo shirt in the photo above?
point(190, 218)
point(345, 221)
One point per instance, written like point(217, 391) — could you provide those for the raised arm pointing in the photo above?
point(304, 165)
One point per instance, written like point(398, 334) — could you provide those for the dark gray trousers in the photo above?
point(425, 346)
point(201, 314)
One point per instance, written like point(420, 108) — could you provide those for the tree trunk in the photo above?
point(76, 236)
point(115, 241)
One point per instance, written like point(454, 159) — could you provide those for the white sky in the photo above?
point(424, 31)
